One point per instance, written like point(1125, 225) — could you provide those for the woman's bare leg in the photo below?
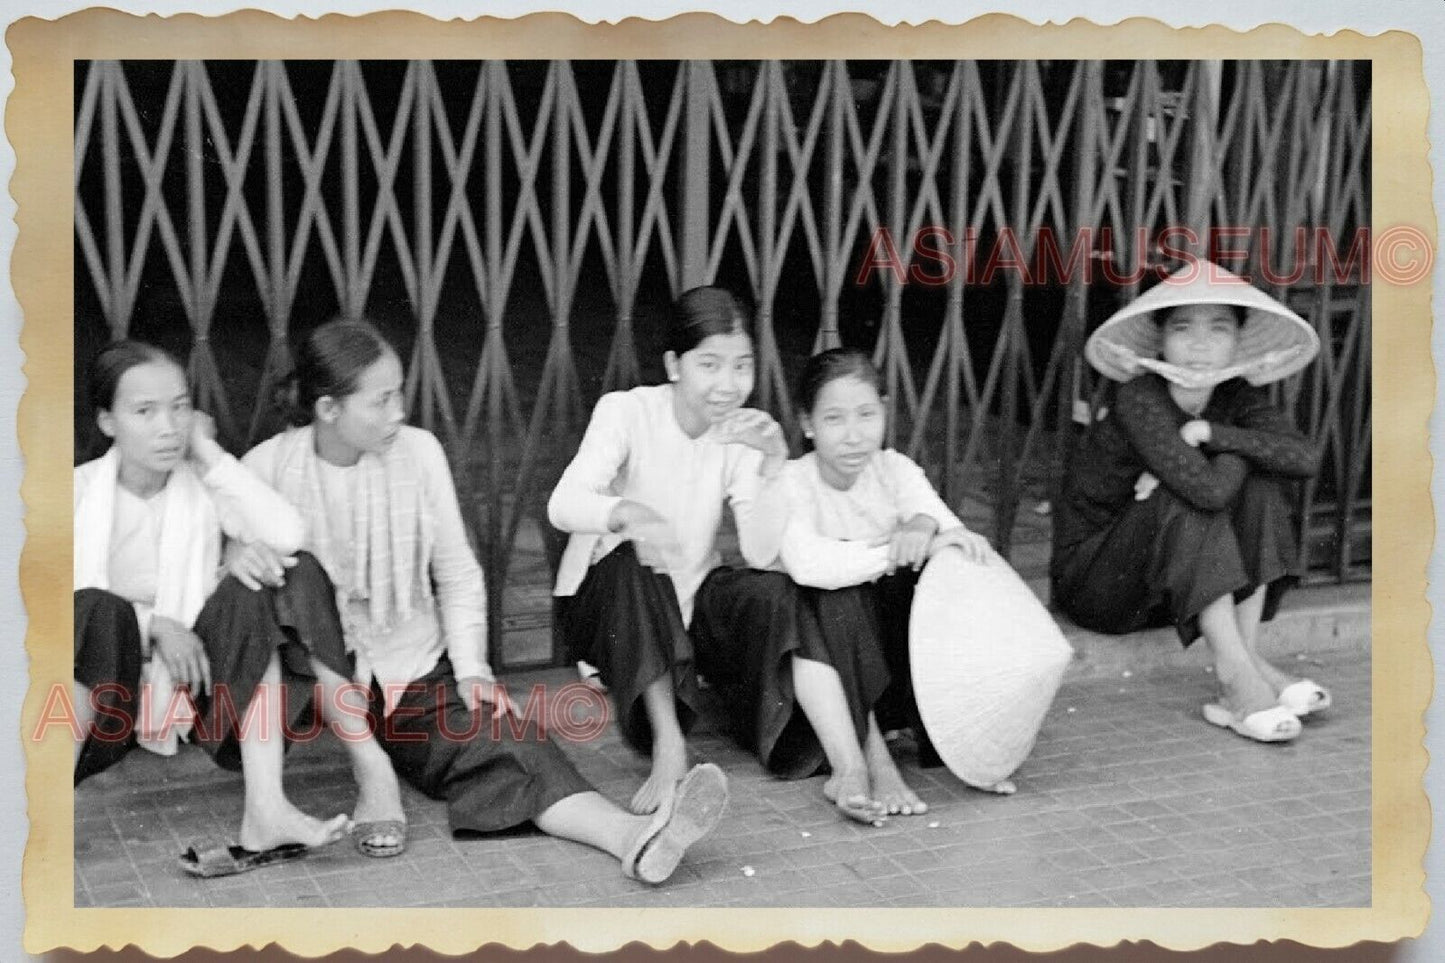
point(1249, 614)
point(669, 749)
point(1245, 690)
point(888, 785)
point(343, 707)
point(270, 819)
point(819, 691)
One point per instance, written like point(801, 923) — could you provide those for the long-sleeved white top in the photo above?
point(245, 509)
point(826, 543)
point(634, 449)
point(454, 620)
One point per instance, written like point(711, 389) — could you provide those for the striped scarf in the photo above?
point(391, 535)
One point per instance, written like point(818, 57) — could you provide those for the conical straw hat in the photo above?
point(1268, 327)
point(986, 660)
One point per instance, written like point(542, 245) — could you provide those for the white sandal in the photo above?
point(1275, 724)
point(1304, 697)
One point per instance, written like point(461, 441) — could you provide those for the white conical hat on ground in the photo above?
point(1268, 327)
point(986, 659)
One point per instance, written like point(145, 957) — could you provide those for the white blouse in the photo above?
point(135, 547)
point(826, 542)
point(634, 449)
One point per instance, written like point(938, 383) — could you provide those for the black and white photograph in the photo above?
point(703, 483)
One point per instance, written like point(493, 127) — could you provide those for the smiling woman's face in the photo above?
point(1200, 337)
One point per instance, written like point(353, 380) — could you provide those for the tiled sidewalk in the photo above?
point(1129, 799)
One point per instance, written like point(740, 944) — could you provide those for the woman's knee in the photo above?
point(1185, 529)
point(103, 604)
point(106, 627)
point(1262, 495)
point(308, 573)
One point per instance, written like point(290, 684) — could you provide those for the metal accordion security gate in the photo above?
point(519, 226)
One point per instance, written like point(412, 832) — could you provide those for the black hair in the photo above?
point(703, 312)
point(114, 360)
point(1240, 312)
point(329, 362)
point(831, 365)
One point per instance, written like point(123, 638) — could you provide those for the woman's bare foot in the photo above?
point(669, 764)
point(1245, 690)
point(889, 788)
point(1277, 678)
point(267, 827)
point(850, 792)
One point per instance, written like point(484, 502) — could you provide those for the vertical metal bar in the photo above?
point(275, 209)
point(834, 87)
point(768, 254)
point(425, 308)
point(1200, 174)
point(888, 342)
point(350, 193)
point(196, 196)
point(114, 212)
point(696, 167)
point(1086, 151)
point(1013, 329)
point(953, 314)
point(561, 193)
point(492, 472)
point(627, 272)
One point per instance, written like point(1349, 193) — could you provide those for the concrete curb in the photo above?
point(1311, 622)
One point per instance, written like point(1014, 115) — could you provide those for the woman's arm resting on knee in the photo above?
point(1265, 436)
point(1147, 416)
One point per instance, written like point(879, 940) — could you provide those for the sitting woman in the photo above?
point(647, 599)
point(862, 520)
point(149, 519)
point(382, 518)
point(1177, 507)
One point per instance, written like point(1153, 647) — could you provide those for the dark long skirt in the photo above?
point(746, 626)
point(1164, 561)
point(865, 628)
point(624, 619)
point(491, 777)
point(749, 625)
point(108, 659)
point(241, 627)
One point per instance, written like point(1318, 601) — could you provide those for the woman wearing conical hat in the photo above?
point(1177, 507)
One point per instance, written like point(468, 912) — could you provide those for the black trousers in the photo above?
point(747, 627)
point(108, 659)
point(1163, 561)
point(241, 628)
point(491, 777)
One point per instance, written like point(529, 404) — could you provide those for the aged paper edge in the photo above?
point(39, 123)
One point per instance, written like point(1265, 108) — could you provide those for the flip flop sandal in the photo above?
point(1275, 724)
point(688, 814)
point(364, 836)
point(591, 676)
point(230, 860)
point(1304, 697)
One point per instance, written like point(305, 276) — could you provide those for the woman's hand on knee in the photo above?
point(476, 692)
point(182, 652)
point(650, 534)
point(910, 543)
point(257, 565)
point(1196, 432)
point(1144, 486)
point(974, 546)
